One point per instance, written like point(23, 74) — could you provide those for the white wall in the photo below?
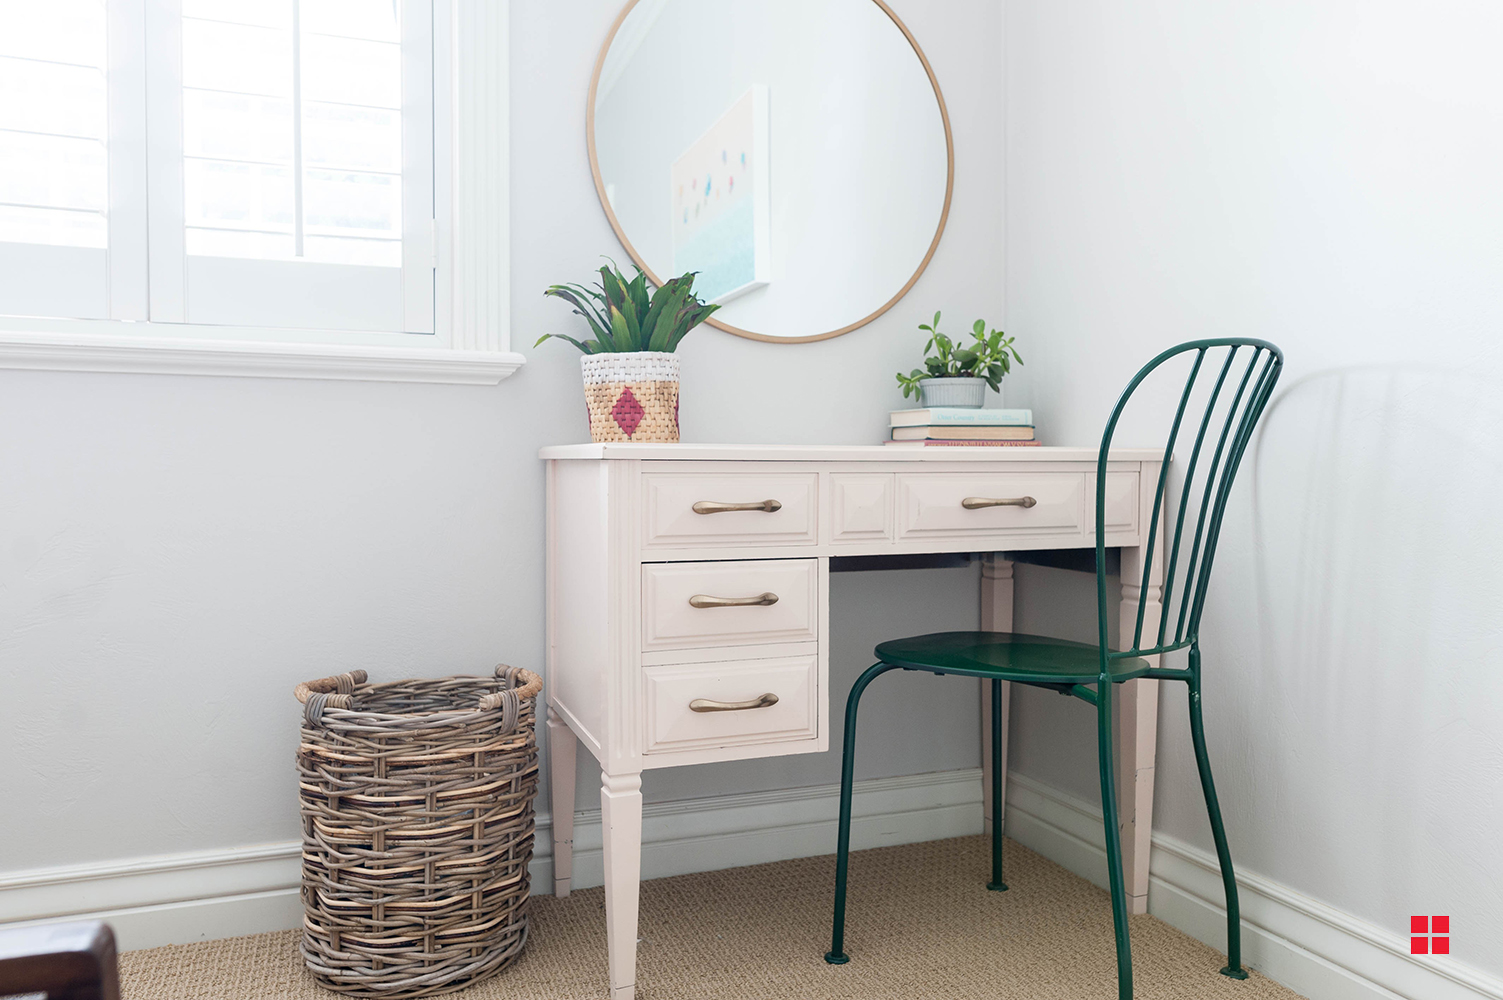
point(177, 552)
point(1326, 176)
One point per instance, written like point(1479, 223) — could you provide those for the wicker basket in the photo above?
point(417, 807)
point(632, 396)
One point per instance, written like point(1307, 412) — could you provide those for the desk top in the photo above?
point(838, 453)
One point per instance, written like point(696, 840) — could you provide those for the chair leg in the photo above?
point(836, 955)
point(996, 884)
point(1104, 693)
point(1218, 830)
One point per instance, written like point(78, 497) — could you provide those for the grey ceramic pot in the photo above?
point(969, 392)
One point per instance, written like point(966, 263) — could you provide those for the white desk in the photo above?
point(632, 641)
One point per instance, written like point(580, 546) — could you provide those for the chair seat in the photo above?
point(1009, 656)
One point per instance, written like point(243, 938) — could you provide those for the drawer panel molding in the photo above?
point(1121, 502)
point(734, 508)
point(698, 706)
point(950, 505)
point(860, 507)
point(696, 604)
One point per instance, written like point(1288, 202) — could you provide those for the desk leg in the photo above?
point(621, 816)
point(996, 616)
point(1136, 724)
point(562, 744)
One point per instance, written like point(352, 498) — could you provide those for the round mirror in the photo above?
point(796, 154)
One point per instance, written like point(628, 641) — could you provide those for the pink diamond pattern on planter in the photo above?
point(631, 396)
point(627, 412)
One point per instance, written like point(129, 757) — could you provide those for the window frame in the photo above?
point(470, 247)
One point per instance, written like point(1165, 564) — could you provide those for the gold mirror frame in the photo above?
point(610, 214)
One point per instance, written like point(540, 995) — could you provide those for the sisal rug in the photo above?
point(920, 924)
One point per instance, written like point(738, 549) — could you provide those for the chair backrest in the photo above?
point(1246, 371)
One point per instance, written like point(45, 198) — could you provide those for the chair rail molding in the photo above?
point(472, 261)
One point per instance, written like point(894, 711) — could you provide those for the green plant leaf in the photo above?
point(615, 291)
point(633, 322)
point(585, 346)
point(698, 315)
point(637, 293)
point(582, 300)
point(619, 332)
point(660, 300)
point(668, 318)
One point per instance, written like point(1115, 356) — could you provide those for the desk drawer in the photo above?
point(934, 505)
point(669, 691)
point(694, 604)
point(672, 520)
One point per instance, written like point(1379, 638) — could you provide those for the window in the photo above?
point(222, 169)
point(54, 169)
point(303, 194)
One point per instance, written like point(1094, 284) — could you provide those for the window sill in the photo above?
point(92, 352)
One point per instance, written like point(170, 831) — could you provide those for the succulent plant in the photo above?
point(989, 358)
point(623, 317)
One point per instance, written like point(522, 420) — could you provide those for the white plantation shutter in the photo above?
point(71, 199)
point(298, 189)
point(285, 149)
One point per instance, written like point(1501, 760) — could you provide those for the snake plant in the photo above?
point(623, 317)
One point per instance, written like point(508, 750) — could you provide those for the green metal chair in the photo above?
point(1090, 671)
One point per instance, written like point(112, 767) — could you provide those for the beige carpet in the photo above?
point(922, 924)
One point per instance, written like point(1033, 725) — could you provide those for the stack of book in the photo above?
point(959, 427)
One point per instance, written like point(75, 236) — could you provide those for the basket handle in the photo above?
point(520, 683)
point(327, 692)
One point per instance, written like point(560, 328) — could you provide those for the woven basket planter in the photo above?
point(632, 396)
point(417, 807)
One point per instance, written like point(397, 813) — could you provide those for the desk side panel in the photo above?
point(579, 589)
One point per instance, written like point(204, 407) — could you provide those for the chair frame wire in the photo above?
point(1241, 419)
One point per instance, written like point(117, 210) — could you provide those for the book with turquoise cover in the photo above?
point(964, 432)
point(959, 415)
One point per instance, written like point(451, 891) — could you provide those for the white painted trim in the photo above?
point(475, 259)
point(1313, 948)
point(472, 261)
point(181, 898)
point(93, 352)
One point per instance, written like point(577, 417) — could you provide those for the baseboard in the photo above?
point(698, 835)
point(1314, 949)
point(181, 898)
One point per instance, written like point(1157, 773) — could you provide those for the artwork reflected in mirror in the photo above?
point(795, 153)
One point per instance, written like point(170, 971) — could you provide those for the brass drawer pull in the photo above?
point(976, 503)
point(706, 705)
point(706, 601)
point(716, 507)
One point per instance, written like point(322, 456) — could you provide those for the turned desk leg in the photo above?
point(621, 817)
point(996, 616)
point(562, 746)
point(1136, 726)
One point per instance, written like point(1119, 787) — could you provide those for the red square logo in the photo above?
point(1440, 925)
point(1440, 946)
point(1419, 946)
point(1419, 925)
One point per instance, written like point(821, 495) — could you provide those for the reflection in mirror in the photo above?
point(795, 153)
